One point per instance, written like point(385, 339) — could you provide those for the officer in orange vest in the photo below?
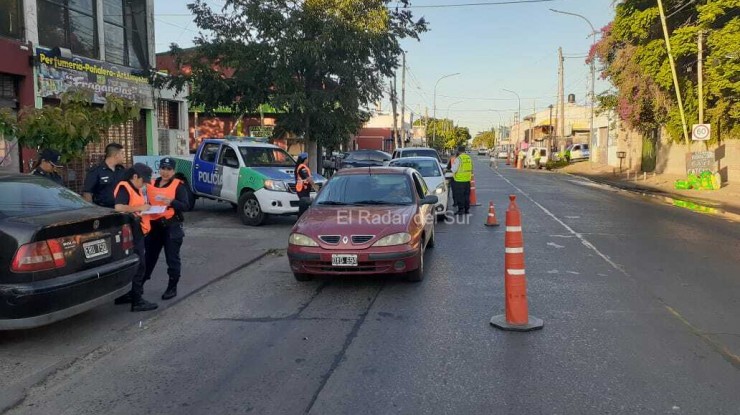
point(303, 183)
point(167, 228)
point(129, 198)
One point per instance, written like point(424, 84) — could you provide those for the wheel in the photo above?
point(432, 239)
point(250, 211)
point(302, 277)
point(417, 275)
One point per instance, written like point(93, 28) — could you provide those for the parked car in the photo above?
point(59, 255)
point(433, 174)
point(482, 151)
point(365, 158)
point(365, 221)
point(577, 152)
point(417, 152)
point(502, 154)
point(536, 157)
point(255, 177)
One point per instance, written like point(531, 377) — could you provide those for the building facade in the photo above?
point(103, 45)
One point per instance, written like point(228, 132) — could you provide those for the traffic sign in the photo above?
point(701, 132)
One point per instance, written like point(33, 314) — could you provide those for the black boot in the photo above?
point(124, 299)
point(143, 305)
point(170, 292)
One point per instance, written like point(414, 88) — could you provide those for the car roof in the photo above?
point(240, 142)
point(373, 170)
point(407, 159)
point(416, 149)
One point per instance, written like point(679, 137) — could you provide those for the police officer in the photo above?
point(102, 179)
point(303, 183)
point(129, 198)
point(462, 170)
point(47, 164)
point(167, 228)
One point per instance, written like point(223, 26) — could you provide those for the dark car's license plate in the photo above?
point(96, 249)
point(344, 260)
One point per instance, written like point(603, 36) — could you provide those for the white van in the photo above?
point(537, 157)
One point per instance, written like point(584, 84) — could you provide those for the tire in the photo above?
point(250, 211)
point(417, 275)
point(302, 277)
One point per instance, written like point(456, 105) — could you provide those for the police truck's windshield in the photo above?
point(266, 157)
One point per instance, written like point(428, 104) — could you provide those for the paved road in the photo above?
point(640, 303)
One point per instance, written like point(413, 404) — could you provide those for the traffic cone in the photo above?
point(473, 197)
point(492, 221)
point(517, 316)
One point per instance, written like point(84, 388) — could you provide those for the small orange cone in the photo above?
point(473, 197)
point(492, 221)
point(517, 316)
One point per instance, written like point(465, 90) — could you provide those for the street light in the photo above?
point(593, 72)
point(519, 112)
point(434, 134)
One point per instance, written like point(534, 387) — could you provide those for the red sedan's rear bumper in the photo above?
point(385, 260)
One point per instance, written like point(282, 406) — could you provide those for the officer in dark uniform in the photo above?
point(102, 179)
point(303, 183)
point(167, 228)
point(47, 164)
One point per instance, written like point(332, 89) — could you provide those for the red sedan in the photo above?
point(376, 220)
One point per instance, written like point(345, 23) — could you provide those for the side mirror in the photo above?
point(429, 200)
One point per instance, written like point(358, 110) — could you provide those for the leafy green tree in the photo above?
point(442, 134)
point(70, 126)
point(320, 63)
point(485, 139)
point(634, 58)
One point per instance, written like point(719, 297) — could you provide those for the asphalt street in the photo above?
point(640, 303)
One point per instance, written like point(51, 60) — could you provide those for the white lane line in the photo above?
point(583, 240)
point(554, 245)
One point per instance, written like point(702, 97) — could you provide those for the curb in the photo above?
point(668, 200)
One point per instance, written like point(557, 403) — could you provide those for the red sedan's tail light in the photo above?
point(127, 237)
point(39, 256)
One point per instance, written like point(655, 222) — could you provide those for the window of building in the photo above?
point(126, 32)
point(68, 24)
point(10, 21)
point(168, 114)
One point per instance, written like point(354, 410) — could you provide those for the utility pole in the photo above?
point(426, 126)
point(561, 93)
point(701, 76)
point(395, 113)
point(403, 101)
point(675, 76)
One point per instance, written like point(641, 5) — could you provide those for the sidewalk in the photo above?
point(216, 245)
point(725, 202)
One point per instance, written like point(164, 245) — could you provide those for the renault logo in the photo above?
point(345, 240)
point(96, 224)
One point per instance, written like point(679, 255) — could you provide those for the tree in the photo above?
point(485, 139)
point(320, 62)
point(634, 58)
point(442, 133)
point(69, 127)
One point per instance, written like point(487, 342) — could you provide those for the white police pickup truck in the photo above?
point(255, 177)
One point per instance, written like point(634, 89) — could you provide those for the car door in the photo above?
point(228, 163)
point(425, 210)
point(206, 178)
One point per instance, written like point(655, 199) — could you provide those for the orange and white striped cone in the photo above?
point(492, 221)
point(517, 316)
point(473, 196)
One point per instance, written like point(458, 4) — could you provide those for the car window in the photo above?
point(427, 168)
point(228, 157)
point(266, 157)
point(368, 156)
point(209, 152)
point(420, 153)
point(30, 197)
point(421, 186)
point(392, 189)
point(585, 146)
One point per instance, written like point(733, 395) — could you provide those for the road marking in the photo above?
point(720, 348)
point(573, 272)
point(513, 229)
point(583, 240)
point(515, 271)
point(554, 245)
point(514, 250)
point(561, 236)
point(572, 217)
point(554, 271)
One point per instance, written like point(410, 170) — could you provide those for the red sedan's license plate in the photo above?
point(343, 260)
point(95, 249)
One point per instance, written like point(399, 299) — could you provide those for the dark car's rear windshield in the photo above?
point(27, 196)
point(391, 189)
point(368, 155)
point(420, 153)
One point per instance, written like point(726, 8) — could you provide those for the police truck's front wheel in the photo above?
point(250, 211)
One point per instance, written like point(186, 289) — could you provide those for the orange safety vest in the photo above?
point(135, 199)
point(169, 192)
point(299, 182)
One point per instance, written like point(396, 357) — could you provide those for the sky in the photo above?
point(493, 47)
